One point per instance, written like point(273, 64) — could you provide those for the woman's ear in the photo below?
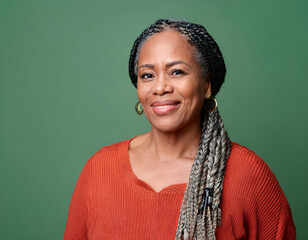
point(208, 89)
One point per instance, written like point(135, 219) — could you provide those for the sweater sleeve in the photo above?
point(274, 218)
point(286, 228)
point(76, 225)
point(253, 204)
point(274, 210)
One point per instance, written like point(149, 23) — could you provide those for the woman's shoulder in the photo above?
point(241, 155)
point(249, 178)
point(245, 166)
point(114, 147)
point(110, 153)
point(240, 150)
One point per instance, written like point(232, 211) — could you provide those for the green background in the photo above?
point(65, 93)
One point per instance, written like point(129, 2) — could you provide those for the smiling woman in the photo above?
point(184, 179)
point(171, 87)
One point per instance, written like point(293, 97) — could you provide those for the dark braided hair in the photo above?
point(200, 213)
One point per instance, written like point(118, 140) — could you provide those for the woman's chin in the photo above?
point(168, 126)
point(174, 123)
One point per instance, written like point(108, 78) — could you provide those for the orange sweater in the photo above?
point(110, 202)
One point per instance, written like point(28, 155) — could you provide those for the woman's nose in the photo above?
point(162, 85)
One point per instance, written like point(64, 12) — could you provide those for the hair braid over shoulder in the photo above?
point(198, 220)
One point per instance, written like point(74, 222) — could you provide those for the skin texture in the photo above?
point(171, 89)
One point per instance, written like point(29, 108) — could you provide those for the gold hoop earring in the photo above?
point(210, 104)
point(138, 109)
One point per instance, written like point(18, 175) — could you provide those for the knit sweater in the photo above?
point(110, 202)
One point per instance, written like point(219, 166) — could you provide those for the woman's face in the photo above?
point(170, 85)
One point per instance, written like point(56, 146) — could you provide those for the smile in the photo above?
point(165, 107)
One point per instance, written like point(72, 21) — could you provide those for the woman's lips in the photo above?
point(164, 107)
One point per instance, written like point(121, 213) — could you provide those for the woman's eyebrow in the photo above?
point(177, 62)
point(147, 66)
point(167, 65)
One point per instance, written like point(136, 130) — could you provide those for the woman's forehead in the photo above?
point(170, 35)
point(166, 44)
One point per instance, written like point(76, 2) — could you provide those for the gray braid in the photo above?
point(198, 220)
point(207, 172)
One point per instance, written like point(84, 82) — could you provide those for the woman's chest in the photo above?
point(130, 210)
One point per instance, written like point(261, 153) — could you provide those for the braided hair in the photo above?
point(200, 213)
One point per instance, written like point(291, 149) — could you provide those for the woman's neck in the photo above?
point(168, 146)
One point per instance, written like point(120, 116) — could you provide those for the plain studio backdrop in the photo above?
point(65, 92)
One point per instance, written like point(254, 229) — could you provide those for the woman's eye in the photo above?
point(146, 75)
point(177, 72)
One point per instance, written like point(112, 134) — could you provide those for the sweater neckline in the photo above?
point(131, 178)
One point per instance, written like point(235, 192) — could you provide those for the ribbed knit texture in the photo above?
point(110, 202)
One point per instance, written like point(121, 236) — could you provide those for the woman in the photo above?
point(184, 179)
